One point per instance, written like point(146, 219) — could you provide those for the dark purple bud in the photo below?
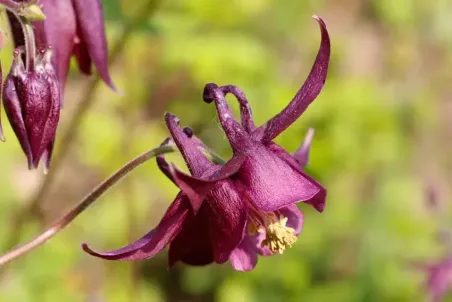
point(32, 104)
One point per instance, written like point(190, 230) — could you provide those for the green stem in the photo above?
point(83, 204)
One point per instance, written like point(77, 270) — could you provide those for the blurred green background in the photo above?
point(383, 131)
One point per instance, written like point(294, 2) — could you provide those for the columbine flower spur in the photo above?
point(247, 206)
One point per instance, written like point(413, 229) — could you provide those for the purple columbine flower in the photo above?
point(32, 103)
point(71, 27)
point(245, 207)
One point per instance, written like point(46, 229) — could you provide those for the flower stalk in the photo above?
point(66, 219)
point(89, 199)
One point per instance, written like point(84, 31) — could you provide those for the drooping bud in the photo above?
point(32, 104)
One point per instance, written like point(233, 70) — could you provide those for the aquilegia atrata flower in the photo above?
point(245, 207)
point(71, 27)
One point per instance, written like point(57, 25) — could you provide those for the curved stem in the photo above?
point(83, 204)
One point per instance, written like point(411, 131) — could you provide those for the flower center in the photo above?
point(278, 236)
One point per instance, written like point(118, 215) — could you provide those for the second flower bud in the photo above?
point(32, 103)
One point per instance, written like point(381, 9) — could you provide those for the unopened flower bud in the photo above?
point(32, 104)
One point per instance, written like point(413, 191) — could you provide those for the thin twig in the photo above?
point(83, 204)
point(70, 134)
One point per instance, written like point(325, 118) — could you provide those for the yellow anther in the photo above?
point(279, 236)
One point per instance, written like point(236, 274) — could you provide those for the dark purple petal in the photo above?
point(193, 245)
point(162, 163)
point(197, 188)
point(223, 217)
point(91, 24)
point(57, 31)
point(53, 117)
point(82, 57)
point(226, 213)
point(230, 168)
point(304, 97)
point(317, 201)
point(294, 218)
point(302, 154)
point(271, 183)
point(48, 155)
point(196, 161)
point(244, 257)
point(283, 154)
point(246, 115)
point(34, 96)
point(164, 167)
point(154, 241)
point(11, 104)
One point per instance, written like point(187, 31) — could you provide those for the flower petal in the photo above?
point(193, 245)
point(197, 188)
point(154, 241)
point(294, 216)
point(317, 201)
point(226, 215)
point(47, 155)
point(271, 183)
point(162, 164)
point(164, 167)
point(82, 57)
point(13, 111)
point(58, 31)
point(302, 154)
point(244, 257)
point(196, 161)
point(223, 218)
point(91, 24)
point(304, 97)
point(246, 114)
